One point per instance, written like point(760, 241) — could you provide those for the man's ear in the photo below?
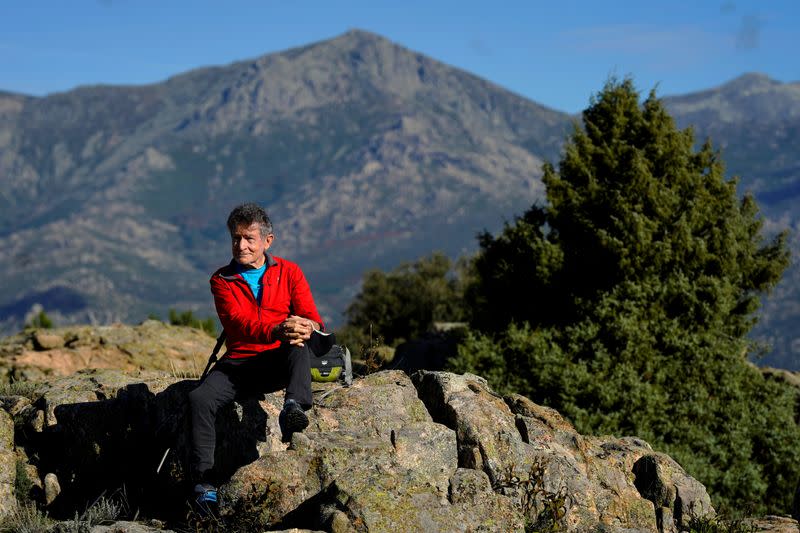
point(268, 241)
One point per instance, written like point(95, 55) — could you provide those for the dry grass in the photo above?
point(26, 518)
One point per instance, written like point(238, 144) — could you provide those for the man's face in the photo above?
point(248, 246)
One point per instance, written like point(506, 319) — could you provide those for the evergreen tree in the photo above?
point(630, 296)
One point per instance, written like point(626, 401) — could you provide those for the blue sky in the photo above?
point(555, 52)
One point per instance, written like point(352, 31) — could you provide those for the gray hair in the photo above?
point(248, 214)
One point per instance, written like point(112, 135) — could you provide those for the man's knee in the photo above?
point(202, 398)
point(299, 352)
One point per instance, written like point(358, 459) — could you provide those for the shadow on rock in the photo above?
point(117, 443)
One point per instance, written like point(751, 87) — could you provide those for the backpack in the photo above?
point(329, 361)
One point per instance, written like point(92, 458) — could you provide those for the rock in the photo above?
point(782, 375)
point(46, 340)
point(32, 479)
point(348, 438)
point(528, 449)
point(435, 452)
point(128, 527)
point(6, 431)
point(677, 497)
point(9, 503)
point(339, 523)
point(402, 501)
point(51, 488)
point(153, 345)
point(773, 524)
point(30, 420)
point(8, 465)
point(469, 486)
point(13, 405)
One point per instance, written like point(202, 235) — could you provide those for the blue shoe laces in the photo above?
point(206, 494)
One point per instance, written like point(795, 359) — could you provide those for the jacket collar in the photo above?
point(231, 271)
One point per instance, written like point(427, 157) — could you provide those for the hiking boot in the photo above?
point(291, 419)
point(205, 499)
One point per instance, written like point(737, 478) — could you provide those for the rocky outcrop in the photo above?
point(575, 480)
point(435, 452)
point(772, 524)
point(153, 345)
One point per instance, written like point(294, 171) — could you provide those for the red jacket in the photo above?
point(248, 324)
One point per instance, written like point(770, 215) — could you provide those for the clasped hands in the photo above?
point(294, 330)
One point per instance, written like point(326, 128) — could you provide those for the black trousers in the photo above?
point(287, 367)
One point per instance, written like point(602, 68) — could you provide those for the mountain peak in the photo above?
point(355, 37)
point(363, 34)
point(751, 96)
point(750, 81)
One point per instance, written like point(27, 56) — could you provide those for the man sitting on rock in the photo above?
point(267, 311)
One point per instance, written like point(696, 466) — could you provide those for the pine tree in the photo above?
point(630, 295)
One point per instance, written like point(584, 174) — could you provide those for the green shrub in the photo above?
point(22, 484)
point(187, 318)
point(40, 320)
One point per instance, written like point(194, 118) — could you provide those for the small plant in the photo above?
point(22, 484)
point(102, 511)
point(370, 354)
point(41, 320)
point(26, 518)
point(28, 389)
point(544, 511)
point(719, 524)
point(187, 318)
point(190, 373)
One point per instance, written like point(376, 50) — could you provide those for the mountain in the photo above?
point(113, 199)
point(364, 153)
point(755, 121)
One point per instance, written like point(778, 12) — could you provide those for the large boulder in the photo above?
point(772, 524)
point(555, 474)
point(371, 457)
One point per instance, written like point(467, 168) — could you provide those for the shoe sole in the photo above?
point(296, 420)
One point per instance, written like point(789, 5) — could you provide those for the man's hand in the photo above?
point(294, 330)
